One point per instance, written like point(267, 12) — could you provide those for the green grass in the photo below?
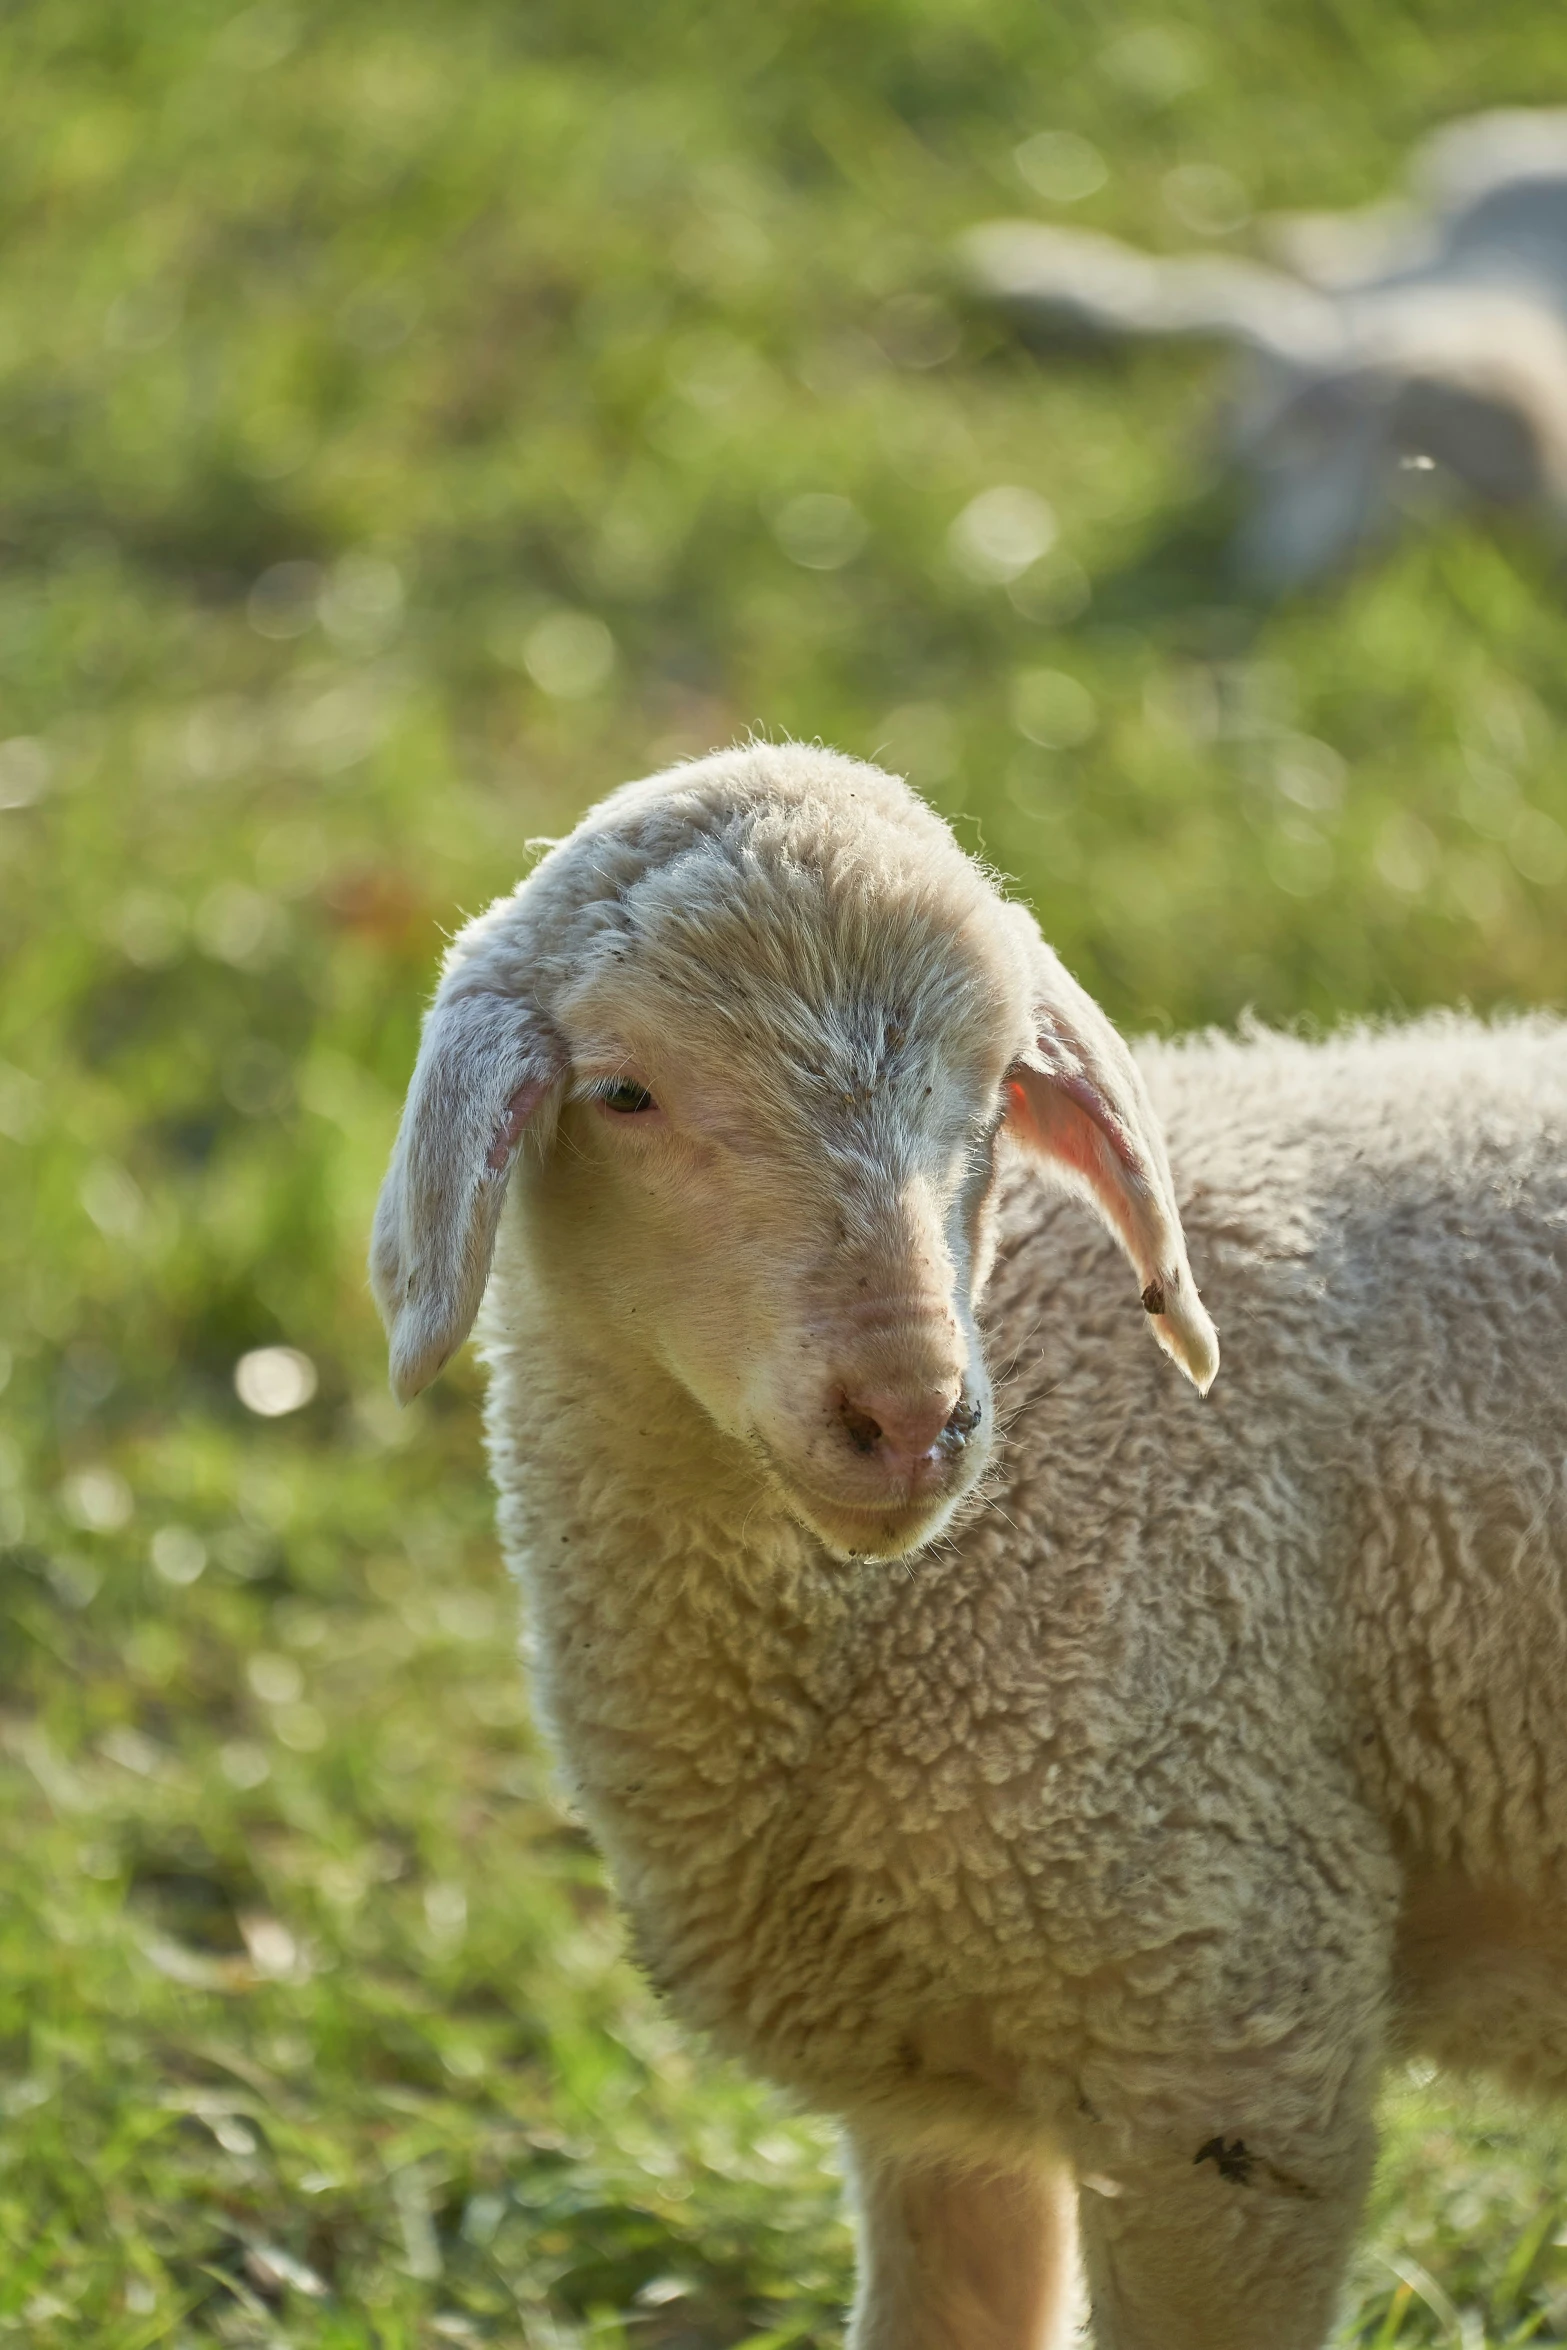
point(404, 415)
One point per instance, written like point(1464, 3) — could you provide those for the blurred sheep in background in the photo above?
point(1423, 337)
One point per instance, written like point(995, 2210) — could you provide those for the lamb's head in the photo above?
point(745, 1046)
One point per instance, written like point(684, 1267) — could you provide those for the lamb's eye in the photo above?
point(626, 1098)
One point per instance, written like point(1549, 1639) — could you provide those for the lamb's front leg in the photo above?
point(1227, 2238)
point(954, 2258)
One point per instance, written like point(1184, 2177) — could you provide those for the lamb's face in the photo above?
point(745, 1044)
point(772, 1178)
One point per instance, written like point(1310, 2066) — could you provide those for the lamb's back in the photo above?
point(1372, 1503)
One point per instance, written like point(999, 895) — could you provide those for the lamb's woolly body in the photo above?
point(1218, 1752)
point(1318, 1618)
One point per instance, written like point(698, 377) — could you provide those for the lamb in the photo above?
point(1079, 1783)
point(1429, 335)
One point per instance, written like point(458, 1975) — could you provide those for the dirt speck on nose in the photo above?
point(961, 1426)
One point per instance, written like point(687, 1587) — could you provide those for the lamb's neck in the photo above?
point(688, 1635)
point(617, 1460)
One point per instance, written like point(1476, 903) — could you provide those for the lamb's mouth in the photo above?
point(857, 1530)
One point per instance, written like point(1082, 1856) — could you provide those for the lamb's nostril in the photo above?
point(863, 1432)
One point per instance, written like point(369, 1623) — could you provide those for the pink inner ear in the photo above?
point(1071, 1120)
point(519, 1110)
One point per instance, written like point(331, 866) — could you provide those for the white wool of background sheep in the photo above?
point(1157, 1765)
point(1396, 360)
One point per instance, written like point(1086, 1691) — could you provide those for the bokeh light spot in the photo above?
point(1001, 533)
point(97, 1499)
point(274, 1380)
point(1061, 166)
point(569, 655)
point(820, 531)
point(1052, 709)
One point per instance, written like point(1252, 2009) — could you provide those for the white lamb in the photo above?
point(1430, 334)
point(1090, 1802)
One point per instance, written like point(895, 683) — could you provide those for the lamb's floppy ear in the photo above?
point(486, 1072)
point(1078, 1098)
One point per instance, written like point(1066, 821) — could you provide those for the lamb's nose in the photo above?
point(905, 1431)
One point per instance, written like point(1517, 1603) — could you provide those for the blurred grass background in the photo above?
point(413, 422)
